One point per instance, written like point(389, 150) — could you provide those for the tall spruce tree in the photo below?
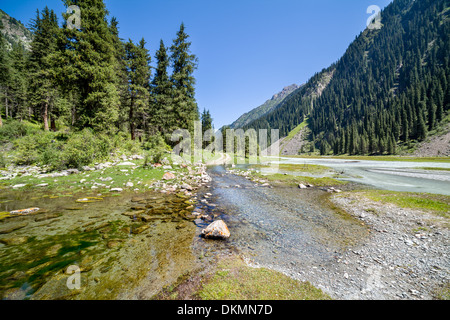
point(162, 113)
point(183, 64)
point(121, 74)
point(88, 65)
point(41, 66)
point(18, 84)
point(4, 74)
point(139, 72)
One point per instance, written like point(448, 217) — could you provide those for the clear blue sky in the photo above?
point(248, 50)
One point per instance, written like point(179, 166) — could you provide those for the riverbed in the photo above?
point(389, 175)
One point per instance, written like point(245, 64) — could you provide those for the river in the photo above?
point(389, 175)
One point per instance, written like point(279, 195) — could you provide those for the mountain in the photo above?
point(265, 108)
point(14, 31)
point(388, 92)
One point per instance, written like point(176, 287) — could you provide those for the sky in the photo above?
point(248, 50)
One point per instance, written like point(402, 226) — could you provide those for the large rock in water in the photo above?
point(216, 230)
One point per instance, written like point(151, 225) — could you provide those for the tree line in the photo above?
point(90, 78)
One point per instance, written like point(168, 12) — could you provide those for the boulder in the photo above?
point(216, 230)
point(168, 176)
point(185, 186)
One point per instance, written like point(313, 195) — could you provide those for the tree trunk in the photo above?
point(1, 122)
point(131, 116)
point(6, 105)
point(45, 115)
point(52, 124)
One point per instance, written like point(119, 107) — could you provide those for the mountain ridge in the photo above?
point(265, 108)
point(15, 31)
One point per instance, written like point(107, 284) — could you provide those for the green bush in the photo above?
point(3, 160)
point(29, 148)
point(80, 149)
point(15, 129)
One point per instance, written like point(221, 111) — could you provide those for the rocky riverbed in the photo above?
point(348, 246)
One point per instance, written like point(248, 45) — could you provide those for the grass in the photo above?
point(295, 180)
point(308, 168)
point(378, 158)
point(72, 182)
point(234, 280)
point(295, 131)
point(434, 203)
point(432, 168)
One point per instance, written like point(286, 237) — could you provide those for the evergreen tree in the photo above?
point(206, 125)
point(41, 65)
point(121, 74)
point(18, 84)
point(4, 74)
point(88, 65)
point(139, 73)
point(183, 64)
point(162, 113)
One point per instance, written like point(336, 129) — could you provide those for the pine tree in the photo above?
point(206, 125)
point(121, 74)
point(162, 114)
point(139, 73)
point(88, 66)
point(41, 65)
point(18, 84)
point(183, 64)
point(4, 74)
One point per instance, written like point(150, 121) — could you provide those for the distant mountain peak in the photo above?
point(265, 108)
point(14, 31)
point(285, 92)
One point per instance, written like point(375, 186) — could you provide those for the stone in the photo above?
point(168, 176)
point(14, 241)
point(302, 186)
point(185, 186)
point(116, 189)
point(216, 230)
point(23, 212)
point(140, 229)
point(13, 228)
point(17, 186)
point(127, 164)
point(42, 185)
point(47, 217)
point(129, 184)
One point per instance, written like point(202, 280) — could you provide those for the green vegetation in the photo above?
point(433, 169)
point(377, 158)
point(116, 177)
point(291, 180)
point(234, 280)
point(295, 131)
point(307, 168)
point(77, 96)
point(437, 204)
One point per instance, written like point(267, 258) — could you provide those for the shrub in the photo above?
point(15, 129)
